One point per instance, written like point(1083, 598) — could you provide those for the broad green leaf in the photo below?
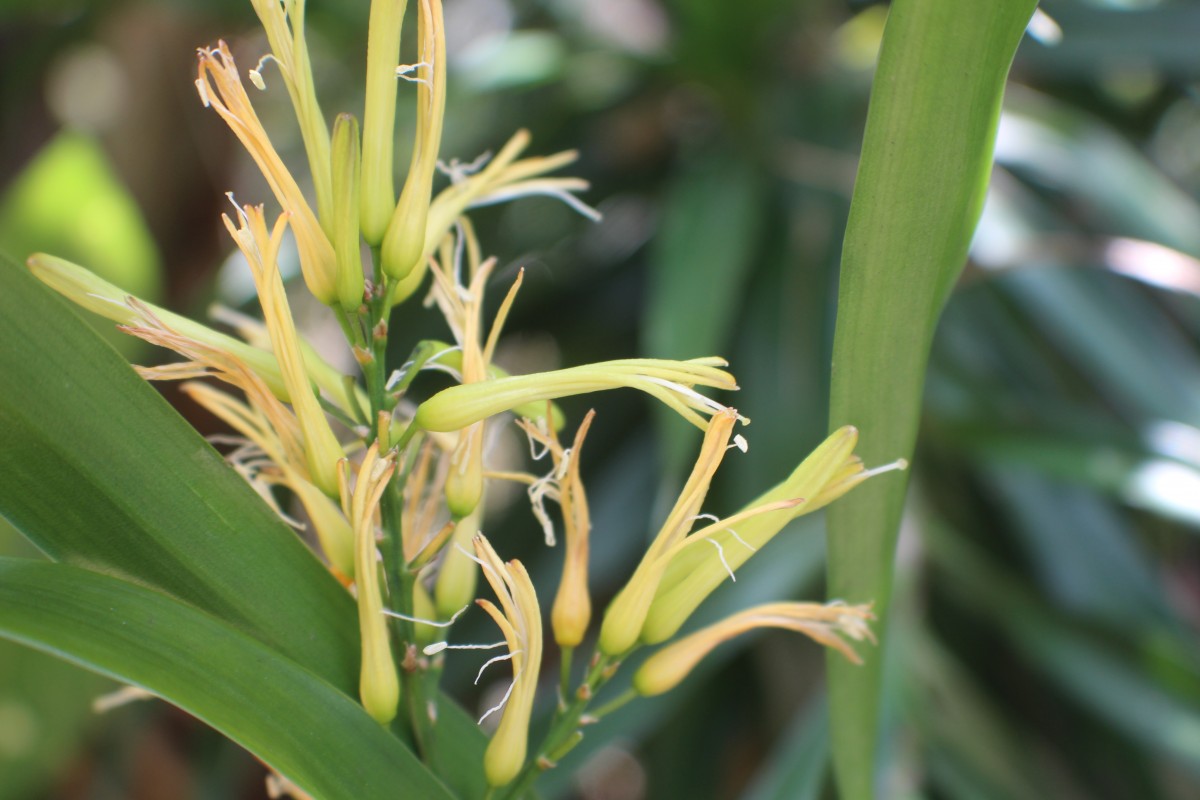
point(926, 156)
point(295, 722)
point(102, 473)
point(152, 502)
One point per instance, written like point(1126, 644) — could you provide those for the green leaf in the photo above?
point(102, 473)
point(797, 768)
point(45, 706)
point(291, 719)
point(152, 502)
point(926, 156)
point(69, 199)
point(712, 217)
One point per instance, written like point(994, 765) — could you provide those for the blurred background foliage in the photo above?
point(1049, 572)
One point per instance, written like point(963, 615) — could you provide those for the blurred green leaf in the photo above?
point(1104, 681)
point(68, 201)
point(926, 156)
point(301, 726)
point(799, 763)
point(712, 220)
point(45, 704)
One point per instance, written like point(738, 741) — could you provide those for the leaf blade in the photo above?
point(926, 153)
point(289, 717)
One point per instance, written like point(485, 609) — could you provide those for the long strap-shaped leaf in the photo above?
point(926, 158)
point(291, 719)
point(100, 472)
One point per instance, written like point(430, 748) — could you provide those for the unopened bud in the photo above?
point(464, 481)
point(346, 167)
point(404, 242)
point(379, 117)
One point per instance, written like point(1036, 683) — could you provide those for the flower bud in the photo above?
point(346, 168)
point(404, 242)
point(464, 481)
point(379, 117)
point(456, 580)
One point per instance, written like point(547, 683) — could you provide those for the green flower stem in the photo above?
point(616, 703)
point(564, 676)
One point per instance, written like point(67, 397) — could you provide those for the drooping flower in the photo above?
point(827, 624)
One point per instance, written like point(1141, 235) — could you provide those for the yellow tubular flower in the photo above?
point(520, 619)
point(669, 381)
point(379, 117)
point(623, 621)
point(321, 447)
point(404, 242)
point(346, 170)
point(91, 292)
point(829, 472)
point(221, 87)
point(284, 24)
point(98, 296)
point(826, 624)
point(379, 686)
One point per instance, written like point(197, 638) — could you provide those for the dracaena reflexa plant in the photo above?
point(395, 490)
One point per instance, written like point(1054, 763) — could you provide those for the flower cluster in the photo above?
point(395, 490)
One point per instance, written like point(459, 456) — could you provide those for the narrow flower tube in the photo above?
point(284, 24)
point(520, 619)
point(829, 625)
point(346, 246)
point(261, 249)
point(626, 614)
point(698, 568)
point(379, 686)
point(404, 242)
point(220, 87)
point(378, 195)
point(669, 381)
point(89, 291)
point(572, 609)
